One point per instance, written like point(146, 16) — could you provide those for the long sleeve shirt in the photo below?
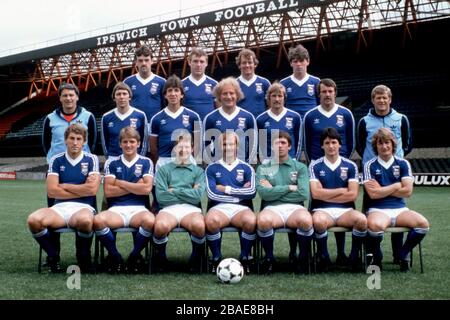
point(181, 179)
point(280, 176)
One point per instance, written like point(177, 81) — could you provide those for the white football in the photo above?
point(230, 270)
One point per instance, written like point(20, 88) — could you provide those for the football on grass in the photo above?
point(230, 270)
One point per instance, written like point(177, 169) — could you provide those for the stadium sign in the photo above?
point(242, 12)
point(432, 180)
point(247, 11)
point(7, 175)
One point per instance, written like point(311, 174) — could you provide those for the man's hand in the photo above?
point(221, 188)
point(293, 188)
point(265, 183)
point(372, 183)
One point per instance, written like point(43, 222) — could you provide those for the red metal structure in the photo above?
point(279, 23)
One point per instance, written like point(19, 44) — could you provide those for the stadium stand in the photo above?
point(388, 54)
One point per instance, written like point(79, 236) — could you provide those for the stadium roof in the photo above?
point(259, 24)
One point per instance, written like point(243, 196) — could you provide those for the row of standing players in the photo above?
point(227, 95)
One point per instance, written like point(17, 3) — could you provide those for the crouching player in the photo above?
point(388, 180)
point(282, 185)
point(334, 189)
point(128, 183)
point(73, 180)
point(180, 185)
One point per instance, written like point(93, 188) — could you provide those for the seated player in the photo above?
point(282, 185)
point(334, 188)
point(73, 180)
point(388, 180)
point(180, 185)
point(128, 183)
point(230, 184)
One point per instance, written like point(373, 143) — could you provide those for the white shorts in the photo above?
point(127, 212)
point(334, 213)
point(391, 213)
point(67, 209)
point(284, 210)
point(179, 211)
point(230, 209)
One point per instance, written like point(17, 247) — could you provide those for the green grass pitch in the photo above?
point(20, 280)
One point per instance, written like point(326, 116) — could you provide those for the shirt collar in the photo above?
point(386, 164)
point(75, 161)
point(130, 163)
point(330, 165)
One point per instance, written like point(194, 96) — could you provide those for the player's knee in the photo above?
point(375, 226)
point(423, 223)
point(148, 223)
point(319, 223)
point(360, 222)
point(85, 223)
point(99, 222)
point(161, 228)
point(212, 222)
point(306, 221)
point(264, 222)
point(249, 225)
point(198, 229)
point(34, 222)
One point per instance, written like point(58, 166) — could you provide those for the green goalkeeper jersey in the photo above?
point(186, 184)
point(280, 176)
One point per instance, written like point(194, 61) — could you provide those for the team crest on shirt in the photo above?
point(119, 170)
point(110, 124)
point(259, 88)
point(163, 122)
point(154, 88)
point(241, 123)
point(293, 177)
point(208, 88)
point(266, 124)
point(185, 120)
point(339, 120)
point(240, 175)
point(133, 87)
point(138, 170)
point(62, 168)
point(396, 171)
point(310, 89)
point(84, 168)
point(133, 122)
point(289, 121)
point(289, 90)
point(322, 173)
point(344, 173)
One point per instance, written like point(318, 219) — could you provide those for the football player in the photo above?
point(128, 183)
point(73, 180)
point(388, 180)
